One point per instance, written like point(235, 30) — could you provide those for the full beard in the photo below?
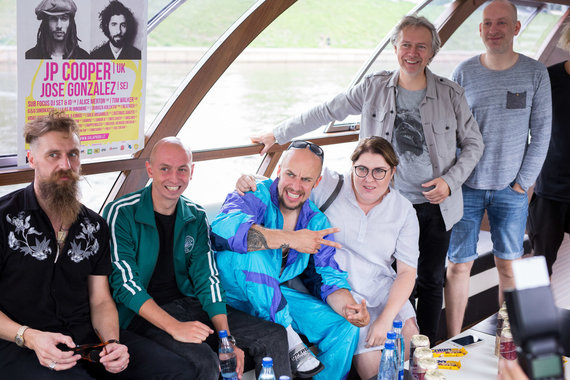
point(62, 196)
point(117, 42)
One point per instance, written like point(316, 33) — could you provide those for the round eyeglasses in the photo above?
point(377, 173)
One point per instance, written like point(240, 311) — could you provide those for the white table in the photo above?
point(480, 363)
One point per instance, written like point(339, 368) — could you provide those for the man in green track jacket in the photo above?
point(165, 280)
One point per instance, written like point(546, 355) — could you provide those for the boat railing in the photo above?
point(13, 175)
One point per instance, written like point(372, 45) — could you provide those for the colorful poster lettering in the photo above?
point(88, 59)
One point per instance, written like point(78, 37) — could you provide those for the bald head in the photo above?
point(169, 141)
point(305, 156)
point(510, 7)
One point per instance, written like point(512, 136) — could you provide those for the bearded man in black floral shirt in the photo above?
point(54, 267)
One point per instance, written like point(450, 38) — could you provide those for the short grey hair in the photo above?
point(417, 21)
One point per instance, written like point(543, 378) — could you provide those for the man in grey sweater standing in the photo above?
point(509, 96)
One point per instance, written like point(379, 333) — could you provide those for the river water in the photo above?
point(248, 99)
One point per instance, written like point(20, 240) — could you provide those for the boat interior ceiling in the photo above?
point(214, 63)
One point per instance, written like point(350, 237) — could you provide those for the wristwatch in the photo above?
point(20, 336)
point(232, 340)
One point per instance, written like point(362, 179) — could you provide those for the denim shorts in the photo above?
point(507, 211)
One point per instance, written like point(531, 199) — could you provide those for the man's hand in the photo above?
point(44, 345)
point(377, 332)
point(190, 332)
point(357, 314)
point(114, 357)
point(518, 188)
point(245, 183)
point(511, 370)
point(240, 359)
point(308, 241)
point(267, 139)
point(438, 193)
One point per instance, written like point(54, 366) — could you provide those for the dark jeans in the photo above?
point(257, 338)
point(147, 360)
point(433, 244)
point(548, 220)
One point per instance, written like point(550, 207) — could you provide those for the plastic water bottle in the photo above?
point(227, 357)
point(388, 367)
point(267, 369)
point(400, 347)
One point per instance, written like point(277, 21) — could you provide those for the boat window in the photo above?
point(537, 22)
point(180, 40)
point(300, 60)
point(175, 45)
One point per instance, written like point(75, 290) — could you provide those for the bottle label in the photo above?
point(508, 350)
point(228, 368)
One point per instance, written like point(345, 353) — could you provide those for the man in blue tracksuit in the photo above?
point(275, 234)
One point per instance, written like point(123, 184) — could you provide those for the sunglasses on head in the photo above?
point(301, 144)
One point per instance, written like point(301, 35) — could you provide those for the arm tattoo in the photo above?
point(255, 240)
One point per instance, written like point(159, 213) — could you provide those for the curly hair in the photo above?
point(116, 8)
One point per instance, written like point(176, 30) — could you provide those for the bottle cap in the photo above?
point(391, 335)
point(389, 345)
point(267, 362)
point(223, 334)
point(397, 324)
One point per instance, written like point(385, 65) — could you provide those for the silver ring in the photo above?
point(52, 365)
point(123, 367)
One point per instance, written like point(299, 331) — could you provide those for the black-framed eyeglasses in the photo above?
point(302, 144)
point(377, 173)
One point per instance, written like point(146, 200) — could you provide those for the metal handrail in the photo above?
point(155, 20)
point(23, 175)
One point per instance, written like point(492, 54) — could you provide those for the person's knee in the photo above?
point(505, 268)
point(459, 270)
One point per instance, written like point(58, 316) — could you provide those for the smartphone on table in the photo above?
point(467, 340)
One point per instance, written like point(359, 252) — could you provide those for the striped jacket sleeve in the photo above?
point(125, 278)
point(204, 274)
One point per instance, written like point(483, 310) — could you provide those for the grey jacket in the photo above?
point(447, 122)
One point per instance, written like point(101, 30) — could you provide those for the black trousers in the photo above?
point(433, 245)
point(547, 222)
point(256, 337)
point(147, 360)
